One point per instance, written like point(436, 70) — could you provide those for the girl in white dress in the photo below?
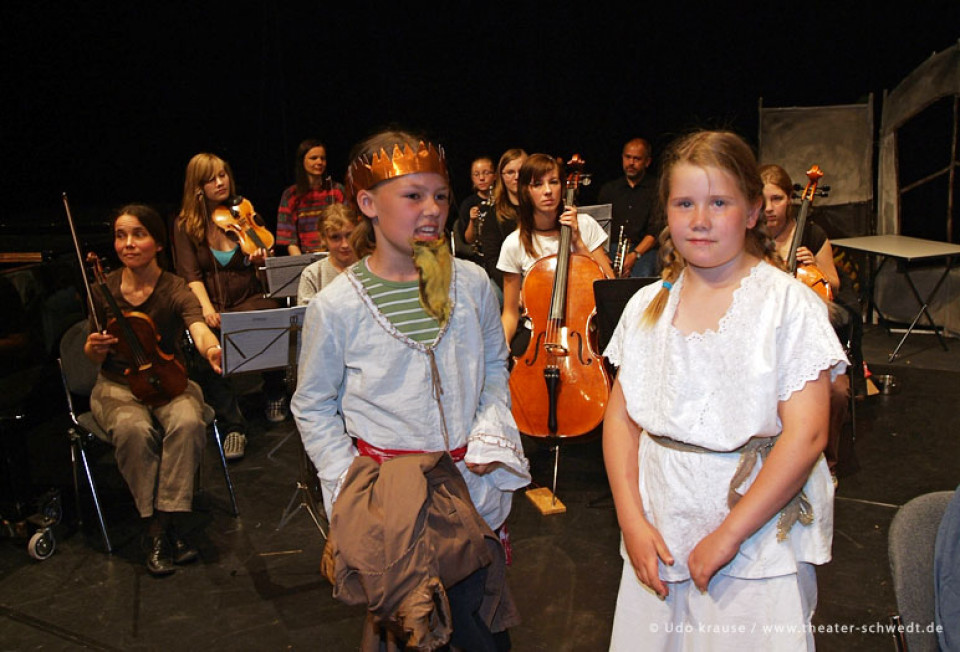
point(714, 434)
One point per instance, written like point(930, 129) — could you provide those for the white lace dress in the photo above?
point(717, 390)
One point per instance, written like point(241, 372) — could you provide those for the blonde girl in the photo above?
point(223, 279)
point(714, 434)
point(337, 225)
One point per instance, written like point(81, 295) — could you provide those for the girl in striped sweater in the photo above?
point(403, 353)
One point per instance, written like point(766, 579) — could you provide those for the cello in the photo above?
point(560, 386)
point(810, 275)
point(155, 377)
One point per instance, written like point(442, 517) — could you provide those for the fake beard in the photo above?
point(434, 264)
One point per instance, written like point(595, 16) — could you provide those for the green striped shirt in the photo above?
point(399, 302)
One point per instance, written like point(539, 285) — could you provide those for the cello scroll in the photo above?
point(810, 275)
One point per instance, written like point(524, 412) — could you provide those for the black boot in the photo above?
point(183, 552)
point(158, 557)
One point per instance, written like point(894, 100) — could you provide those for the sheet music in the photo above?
point(283, 273)
point(257, 340)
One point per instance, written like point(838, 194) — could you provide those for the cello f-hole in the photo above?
point(585, 361)
point(536, 351)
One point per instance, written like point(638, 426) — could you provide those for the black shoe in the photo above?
point(183, 552)
point(158, 558)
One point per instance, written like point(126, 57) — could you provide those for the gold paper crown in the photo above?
point(364, 174)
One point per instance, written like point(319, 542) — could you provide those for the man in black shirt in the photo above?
point(634, 199)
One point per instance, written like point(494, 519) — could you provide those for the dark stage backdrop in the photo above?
point(108, 100)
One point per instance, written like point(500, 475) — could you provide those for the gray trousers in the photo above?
point(158, 449)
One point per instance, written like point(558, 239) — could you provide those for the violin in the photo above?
point(560, 386)
point(237, 218)
point(810, 275)
point(155, 377)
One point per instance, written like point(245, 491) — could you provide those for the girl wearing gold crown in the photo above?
point(403, 406)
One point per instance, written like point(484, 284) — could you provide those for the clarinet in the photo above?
point(483, 207)
point(623, 247)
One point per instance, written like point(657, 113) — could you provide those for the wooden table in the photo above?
point(905, 249)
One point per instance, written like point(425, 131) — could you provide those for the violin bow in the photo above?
point(81, 262)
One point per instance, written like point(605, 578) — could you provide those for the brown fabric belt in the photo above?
point(797, 509)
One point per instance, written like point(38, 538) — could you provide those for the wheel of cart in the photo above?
point(42, 544)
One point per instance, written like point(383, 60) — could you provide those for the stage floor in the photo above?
point(258, 587)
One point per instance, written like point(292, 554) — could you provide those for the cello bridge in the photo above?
point(556, 349)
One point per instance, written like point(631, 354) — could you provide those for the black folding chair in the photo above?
point(79, 375)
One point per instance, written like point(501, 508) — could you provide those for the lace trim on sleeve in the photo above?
point(499, 441)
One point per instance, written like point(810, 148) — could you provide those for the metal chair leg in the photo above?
point(226, 472)
point(74, 462)
point(853, 411)
point(77, 446)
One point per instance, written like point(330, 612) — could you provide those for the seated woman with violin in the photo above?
point(158, 464)
point(220, 265)
point(814, 250)
point(541, 212)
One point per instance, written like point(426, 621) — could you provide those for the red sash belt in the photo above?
point(381, 455)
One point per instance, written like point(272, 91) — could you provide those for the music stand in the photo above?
point(310, 494)
point(260, 340)
point(283, 273)
point(611, 297)
point(602, 213)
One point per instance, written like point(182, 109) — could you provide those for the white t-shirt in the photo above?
point(515, 259)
